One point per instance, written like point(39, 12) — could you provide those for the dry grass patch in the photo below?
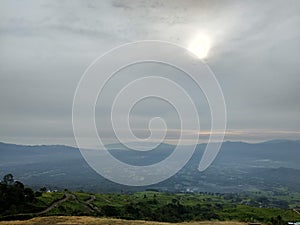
point(85, 220)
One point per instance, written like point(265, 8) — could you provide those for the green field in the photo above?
point(165, 207)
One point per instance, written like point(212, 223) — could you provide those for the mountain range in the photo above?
point(269, 166)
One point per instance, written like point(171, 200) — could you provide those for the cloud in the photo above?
point(46, 46)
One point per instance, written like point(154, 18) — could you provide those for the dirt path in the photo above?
point(92, 198)
point(87, 204)
point(90, 205)
point(56, 203)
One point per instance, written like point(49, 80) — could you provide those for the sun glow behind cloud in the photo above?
point(200, 46)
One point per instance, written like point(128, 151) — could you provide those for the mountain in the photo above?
point(239, 167)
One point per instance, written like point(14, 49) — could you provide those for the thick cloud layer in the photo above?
point(45, 47)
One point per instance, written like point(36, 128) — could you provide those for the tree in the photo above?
point(8, 179)
point(29, 195)
point(43, 189)
point(14, 197)
point(38, 194)
point(19, 185)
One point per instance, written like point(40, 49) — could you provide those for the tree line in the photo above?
point(14, 196)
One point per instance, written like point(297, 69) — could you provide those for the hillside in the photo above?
point(155, 206)
point(20, 202)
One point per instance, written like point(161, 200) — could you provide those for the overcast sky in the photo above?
point(45, 46)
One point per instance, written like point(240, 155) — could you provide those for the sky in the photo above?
point(45, 47)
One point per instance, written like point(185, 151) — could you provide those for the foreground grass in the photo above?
point(85, 220)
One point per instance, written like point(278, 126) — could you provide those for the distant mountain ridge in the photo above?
point(239, 166)
point(122, 146)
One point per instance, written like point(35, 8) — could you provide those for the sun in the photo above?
point(200, 46)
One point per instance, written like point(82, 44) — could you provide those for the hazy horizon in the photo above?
point(117, 143)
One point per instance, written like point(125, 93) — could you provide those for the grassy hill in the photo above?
point(20, 202)
point(148, 206)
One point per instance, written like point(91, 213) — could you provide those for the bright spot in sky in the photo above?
point(200, 46)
